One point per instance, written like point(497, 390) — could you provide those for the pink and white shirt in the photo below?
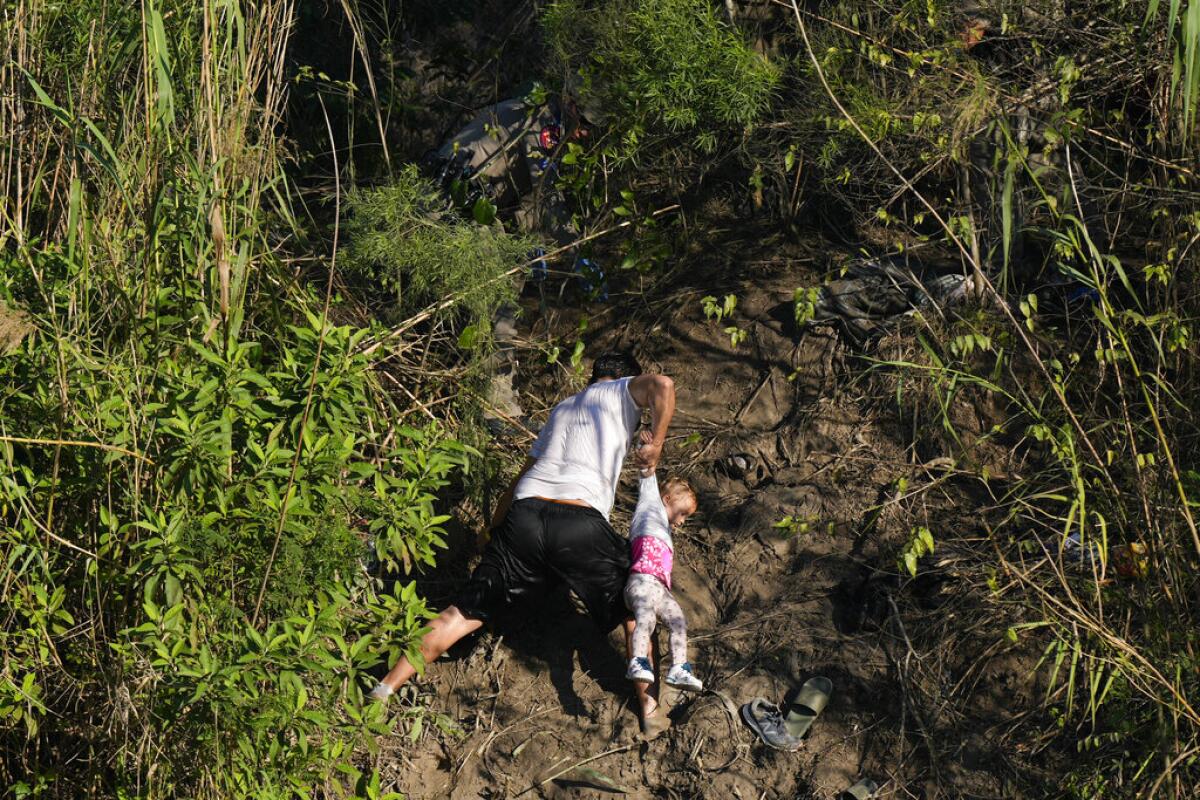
point(650, 534)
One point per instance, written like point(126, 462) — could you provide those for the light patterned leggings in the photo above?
point(648, 599)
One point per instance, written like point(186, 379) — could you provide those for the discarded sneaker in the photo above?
point(680, 676)
point(592, 280)
point(639, 670)
point(766, 719)
point(380, 693)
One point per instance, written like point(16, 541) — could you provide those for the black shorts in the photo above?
point(540, 544)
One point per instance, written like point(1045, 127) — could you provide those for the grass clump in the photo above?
point(668, 65)
point(399, 237)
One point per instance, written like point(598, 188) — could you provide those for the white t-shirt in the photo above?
point(580, 449)
point(650, 517)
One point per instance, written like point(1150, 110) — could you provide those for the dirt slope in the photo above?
point(926, 688)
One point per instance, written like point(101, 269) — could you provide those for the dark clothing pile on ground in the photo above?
point(874, 294)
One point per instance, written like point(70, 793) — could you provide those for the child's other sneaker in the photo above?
point(639, 670)
point(681, 677)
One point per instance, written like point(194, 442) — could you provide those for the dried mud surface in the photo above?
point(927, 691)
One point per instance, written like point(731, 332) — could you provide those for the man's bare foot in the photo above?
point(652, 723)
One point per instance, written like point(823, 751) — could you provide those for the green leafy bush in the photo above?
point(398, 235)
point(188, 446)
point(661, 65)
point(163, 555)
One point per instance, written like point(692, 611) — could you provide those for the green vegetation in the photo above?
point(397, 239)
point(673, 89)
point(187, 440)
point(1012, 141)
point(201, 428)
point(655, 66)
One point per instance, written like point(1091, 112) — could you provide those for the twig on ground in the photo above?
point(737, 418)
point(578, 764)
point(760, 618)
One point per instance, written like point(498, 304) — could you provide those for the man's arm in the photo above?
point(657, 393)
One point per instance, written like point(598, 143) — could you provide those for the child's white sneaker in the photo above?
point(681, 677)
point(639, 670)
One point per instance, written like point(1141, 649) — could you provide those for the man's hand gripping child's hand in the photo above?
point(648, 453)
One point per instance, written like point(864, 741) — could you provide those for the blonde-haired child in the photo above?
point(648, 590)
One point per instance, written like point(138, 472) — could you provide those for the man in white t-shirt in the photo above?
point(552, 525)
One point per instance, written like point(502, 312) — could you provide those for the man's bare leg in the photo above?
point(647, 699)
point(447, 628)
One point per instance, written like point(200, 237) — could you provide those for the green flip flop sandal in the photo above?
point(863, 790)
point(804, 710)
